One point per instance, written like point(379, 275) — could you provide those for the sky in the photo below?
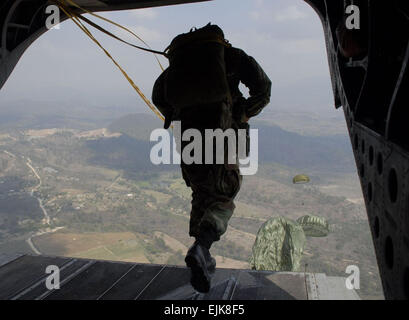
point(284, 36)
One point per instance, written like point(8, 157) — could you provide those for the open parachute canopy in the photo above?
point(314, 226)
point(279, 246)
point(301, 178)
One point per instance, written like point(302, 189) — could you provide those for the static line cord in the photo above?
point(77, 21)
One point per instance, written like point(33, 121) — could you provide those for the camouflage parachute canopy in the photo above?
point(314, 226)
point(301, 178)
point(279, 246)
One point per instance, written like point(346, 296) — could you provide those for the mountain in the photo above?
point(138, 125)
point(123, 153)
point(329, 153)
point(31, 114)
point(276, 145)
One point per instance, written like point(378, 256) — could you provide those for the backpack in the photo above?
point(197, 72)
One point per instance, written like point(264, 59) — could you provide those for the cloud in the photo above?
point(273, 13)
point(143, 14)
point(259, 3)
point(147, 34)
point(255, 15)
point(306, 46)
point(290, 13)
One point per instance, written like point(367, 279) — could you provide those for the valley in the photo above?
point(95, 194)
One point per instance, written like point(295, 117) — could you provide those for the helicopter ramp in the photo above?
point(24, 277)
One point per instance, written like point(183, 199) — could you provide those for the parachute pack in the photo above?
point(197, 70)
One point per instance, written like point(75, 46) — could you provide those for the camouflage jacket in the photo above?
point(240, 68)
point(243, 68)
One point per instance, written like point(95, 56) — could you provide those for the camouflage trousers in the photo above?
point(214, 186)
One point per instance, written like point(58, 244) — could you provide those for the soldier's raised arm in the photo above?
point(253, 77)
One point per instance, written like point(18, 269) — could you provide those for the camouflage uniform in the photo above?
point(215, 186)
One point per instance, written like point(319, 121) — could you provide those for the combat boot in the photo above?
point(201, 264)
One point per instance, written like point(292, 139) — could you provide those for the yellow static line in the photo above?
point(76, 20)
